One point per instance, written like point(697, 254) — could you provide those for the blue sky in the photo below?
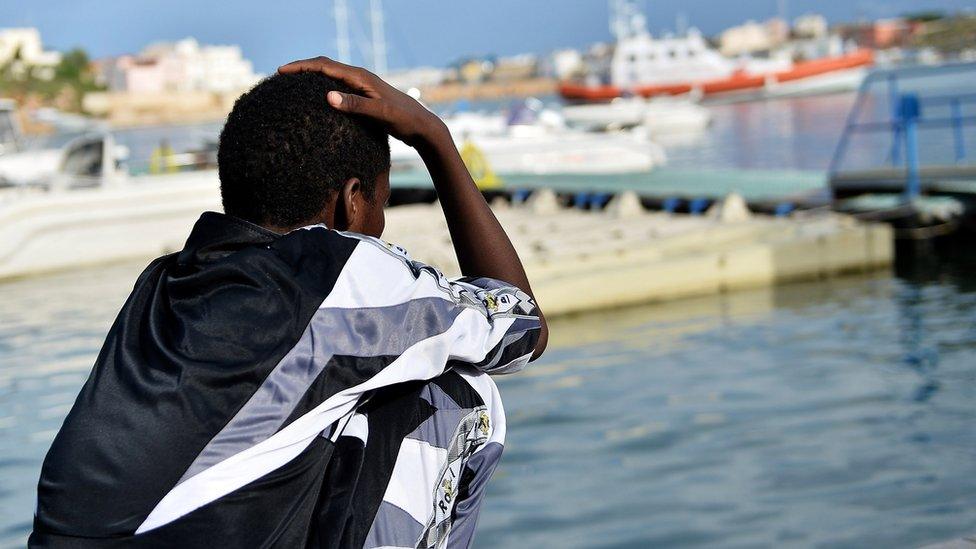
point(418, 31)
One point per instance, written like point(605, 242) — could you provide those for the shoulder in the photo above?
point(315, 242)
point(388, 272)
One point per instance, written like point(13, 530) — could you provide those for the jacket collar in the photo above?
point(216, 235)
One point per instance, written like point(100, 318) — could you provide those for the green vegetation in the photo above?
point(924, 16)
point(62, 86)
point(949, 35)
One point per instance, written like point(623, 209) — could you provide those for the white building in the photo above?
point(25, 44)
point(810, 25)
point(182, 66)
point(515, 67)
point(418, 77)
point(566, 63)
point(752, 36)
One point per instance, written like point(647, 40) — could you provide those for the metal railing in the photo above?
point(907, 116)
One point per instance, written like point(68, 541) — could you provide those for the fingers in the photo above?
point(316, 64)
point(353, 76)
point(359, 79)
point(356, 104)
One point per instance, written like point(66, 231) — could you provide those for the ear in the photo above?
point(351, 206)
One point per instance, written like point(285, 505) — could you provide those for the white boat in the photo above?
point(38, 159)
point(39, 163)
point(541, 144)
point(92, 211)
point(660, 116)
point(644, 65)
point(10, 134)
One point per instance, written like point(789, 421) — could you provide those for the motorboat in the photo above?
point(531, 139)
point(660, 116)
point(90, 210)
point(10, 134)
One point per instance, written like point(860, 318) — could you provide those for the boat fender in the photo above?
point(697, 205)
point(520, 195)
point(581, 200)
point(598, 200)
point(784, 209)
point(670, 204)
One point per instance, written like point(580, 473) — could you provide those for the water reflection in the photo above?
point(771, 417)
point(795, 133)
point(834, 413)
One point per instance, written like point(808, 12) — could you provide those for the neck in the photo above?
point(325, 217)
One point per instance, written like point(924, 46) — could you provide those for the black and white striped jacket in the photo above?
point(313, 389)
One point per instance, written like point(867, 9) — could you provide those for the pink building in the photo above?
point(180, 67)
point(883, 33)
point(136, 74)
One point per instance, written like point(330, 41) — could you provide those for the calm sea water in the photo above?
point(838, 413)
point(831, 414)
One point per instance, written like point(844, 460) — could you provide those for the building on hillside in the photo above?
point(810, 26)
point(881, 34)
point(752, 36)
point(474, 70)
point(182, 66)
point(23, 47)
point(516, 67)
point(419, 77)
point(831, 45)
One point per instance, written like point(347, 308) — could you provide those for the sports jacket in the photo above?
point(316, 388)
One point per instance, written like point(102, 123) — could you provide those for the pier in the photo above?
point(582, 260)
point(604, 251)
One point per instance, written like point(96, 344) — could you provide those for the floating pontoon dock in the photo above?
point(589, 254)
point(624, 254)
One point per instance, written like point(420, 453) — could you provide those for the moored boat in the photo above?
point(533, 140)
point(646, 66)
point(846, 68)
point(10, 134)
point(660, 116)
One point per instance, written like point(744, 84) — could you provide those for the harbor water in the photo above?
point(836, 413)
point(788, 134)
point(831, 414)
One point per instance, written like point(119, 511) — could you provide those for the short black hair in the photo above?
point(284, 151)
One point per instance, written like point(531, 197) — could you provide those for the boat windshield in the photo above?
point(52, 141)
point(8, 131)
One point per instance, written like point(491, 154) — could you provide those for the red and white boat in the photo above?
point(642, 65)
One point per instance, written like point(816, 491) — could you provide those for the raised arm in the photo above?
point(482, 247)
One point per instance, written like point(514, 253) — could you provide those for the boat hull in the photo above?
point(661, 116)
point(147, 217)
point(559, 152)
point(737, 83)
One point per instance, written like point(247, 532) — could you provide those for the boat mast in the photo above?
point(379, 37)
point(681, 24)
point(342, 30)
point(626, 20)
point(618, 23)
